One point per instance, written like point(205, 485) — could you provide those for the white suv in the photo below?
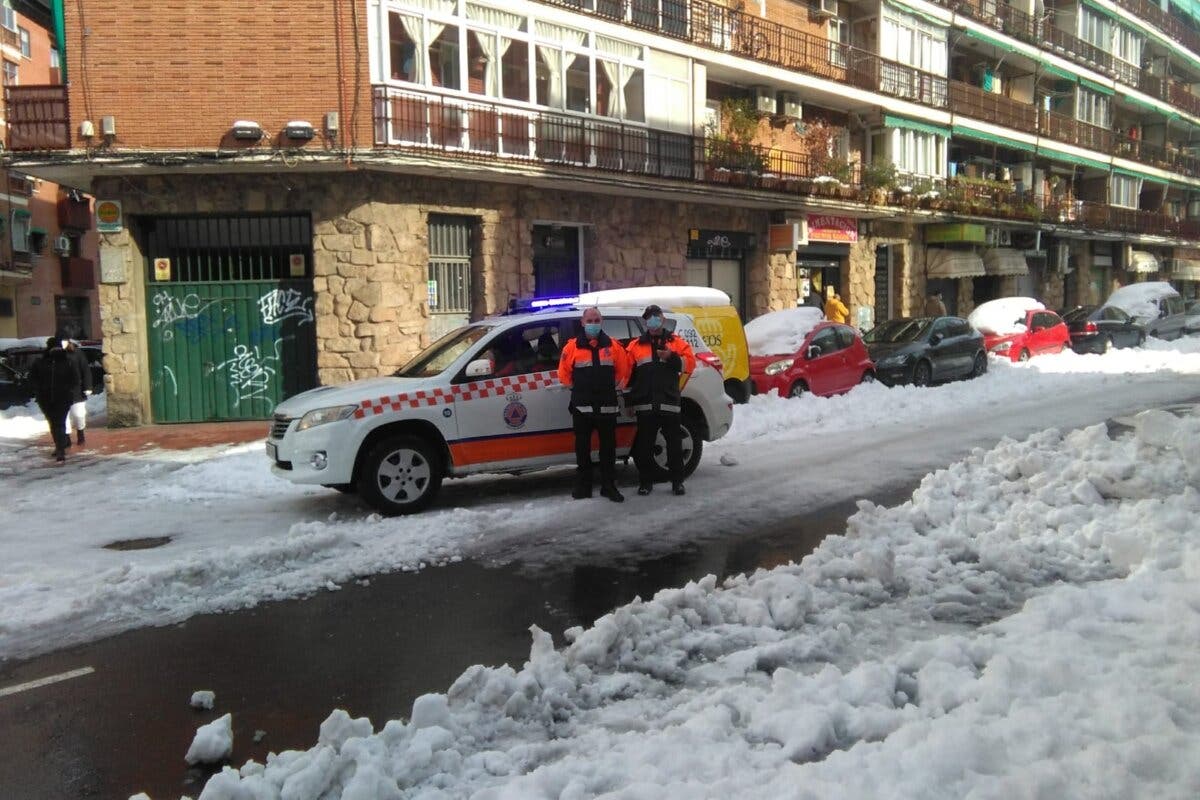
point(484, 398)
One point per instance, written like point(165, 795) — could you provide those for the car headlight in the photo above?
point(898, 360)
point(321, 416)
point(1003, 347)
point(776, 367)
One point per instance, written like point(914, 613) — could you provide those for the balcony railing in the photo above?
point(10, 37)
point(1168, 24)
point(38, 118)
point(490, 132)
point(971, 101)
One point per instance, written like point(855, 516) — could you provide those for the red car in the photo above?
point(1045, 332)
point(832, 359)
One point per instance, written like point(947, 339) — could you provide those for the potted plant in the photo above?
point(878, 179)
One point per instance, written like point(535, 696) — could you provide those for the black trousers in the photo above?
point(56, 418)
point(649, 423)
point(605, 426)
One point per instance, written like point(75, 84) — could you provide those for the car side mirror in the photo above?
point(936, 338)
point(813, 352)
point(480, 368)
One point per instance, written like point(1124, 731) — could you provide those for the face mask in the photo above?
point(592, 329)
point(654, 323)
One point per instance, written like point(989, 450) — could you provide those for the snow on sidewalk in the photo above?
point(1024, 626)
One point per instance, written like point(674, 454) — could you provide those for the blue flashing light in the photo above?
point(553, 302)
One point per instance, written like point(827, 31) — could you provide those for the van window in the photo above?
point(1174, 305)
point(619, 329)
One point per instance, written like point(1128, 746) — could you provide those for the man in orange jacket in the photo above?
point(661, 363)
point(595, 367)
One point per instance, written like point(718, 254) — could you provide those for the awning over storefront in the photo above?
point(953, 264)
point(1185, 269)
point(1005, 261)
point(1141, 261)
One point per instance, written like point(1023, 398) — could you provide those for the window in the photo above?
point(25, 48)
point(514, 69)
point(20, 231)
point(826, 341)
point(405, 32)
point(838, 31)
point(1125, 191)
point(520, 351)
point(1093, 108)
point(1113, 314)
point(1095, 28)
point(620, 330)
point(913, 152)
point(9, 17)
point(54, 62)
point(913, 42)
point(443, 58)
point(10, 73)
point(1129, 46)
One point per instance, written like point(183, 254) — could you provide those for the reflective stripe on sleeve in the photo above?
point(584, 409)
point(609, 409)
point(645, 360)
point(645, 407)
point(671, 409)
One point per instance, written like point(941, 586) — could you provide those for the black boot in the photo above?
point(583, 487)
point(645, 488)
point(79, 437)
point(610, 490)
point(677, 488)
point(59, 455)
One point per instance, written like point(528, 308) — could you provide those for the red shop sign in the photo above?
point(826, 228)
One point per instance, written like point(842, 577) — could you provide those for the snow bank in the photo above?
point(666, 296)
point(25, 422)
point(1024, 626)
point(781, 332)
point(1004, 316)
point(31, 341)
point(1140, 300)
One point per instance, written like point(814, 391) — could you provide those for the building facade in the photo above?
point(47, 241)
point(372, 174)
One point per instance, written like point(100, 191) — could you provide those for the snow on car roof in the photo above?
point(781, 332)
point(665, 296)
point(1141, 299)
point(1004, 316)
point(30, 341)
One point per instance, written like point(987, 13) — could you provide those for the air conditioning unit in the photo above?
point(827, 8)
point(790, 103)
point(62, 245)
point(1003, 238)
point(989, 237)
point(1062, 258)
point(764, 99)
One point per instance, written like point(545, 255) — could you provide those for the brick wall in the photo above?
point(176, 74)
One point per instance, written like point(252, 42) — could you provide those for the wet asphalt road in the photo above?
point(282, 667)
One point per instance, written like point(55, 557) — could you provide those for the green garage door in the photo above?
point(229, 314)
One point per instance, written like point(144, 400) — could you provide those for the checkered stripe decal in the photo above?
point(467, 391)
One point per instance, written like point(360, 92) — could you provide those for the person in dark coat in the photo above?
point(78, 412)
point(56, 387)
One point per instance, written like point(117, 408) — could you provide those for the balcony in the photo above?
point(1168, 24)
point(38, 118)
point(10, 38)
point(75, 214)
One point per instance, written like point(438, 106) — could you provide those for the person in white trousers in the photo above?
point(77, 416)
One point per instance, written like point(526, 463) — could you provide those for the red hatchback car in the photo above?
point(831, 359)
point(1045, 332)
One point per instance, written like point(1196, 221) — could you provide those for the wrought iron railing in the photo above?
point(1174, 28)
point(38, 117)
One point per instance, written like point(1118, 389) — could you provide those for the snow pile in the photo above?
point(27, 342)
point(203, 699)
point(213, 742)
point(1002, 317)
point(26, 422)
point(781, 332)
point(666, 296)
point(1140, 300)
point(1024, 626)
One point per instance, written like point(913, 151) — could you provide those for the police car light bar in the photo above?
point(526, 304)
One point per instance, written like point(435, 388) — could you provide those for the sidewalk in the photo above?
point(103, 441)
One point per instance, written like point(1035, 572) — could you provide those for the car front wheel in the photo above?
point(980, 365)
point(1024, 356)
point(922, 374)
point(400, 475)
point(798, 389)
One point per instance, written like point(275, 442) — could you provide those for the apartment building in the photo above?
point(367, 175)
point(47, 255)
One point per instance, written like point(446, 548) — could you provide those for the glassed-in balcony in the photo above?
point(38, 118)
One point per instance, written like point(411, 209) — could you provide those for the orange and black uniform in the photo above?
point(594, 369)
point(654, 393)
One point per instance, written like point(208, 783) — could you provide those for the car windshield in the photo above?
point(1078, 314)
point(897, 330)
point(435, 359)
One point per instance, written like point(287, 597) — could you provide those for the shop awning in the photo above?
point(1059, 73)
point(992, 138)
point(1069, 158)
point(1096, 87)
point(1141, 261)
point(1004, 261)
point(986, 39)
point(913, 125)
point(1185, 269)
point(953, 264)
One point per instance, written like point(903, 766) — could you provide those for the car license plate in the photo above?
point(272, 451)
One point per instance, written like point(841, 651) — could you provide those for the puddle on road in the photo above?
point(145, 543)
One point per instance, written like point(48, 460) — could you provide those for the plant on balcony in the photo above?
point(740, 119)
point(878, 179)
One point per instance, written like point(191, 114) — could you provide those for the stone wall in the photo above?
point(908, 270)
point(371, 249)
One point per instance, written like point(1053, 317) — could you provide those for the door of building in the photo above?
point(949, 289)
point(229, 309)
point(449, 275)
point(557, 260)
point(883, 283)
point(725, 274)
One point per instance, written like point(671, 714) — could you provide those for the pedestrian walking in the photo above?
point(77, 415)
point(835, 309)
point(595, 368)
point(662, 363)
point(934, 307)
point(56, 386)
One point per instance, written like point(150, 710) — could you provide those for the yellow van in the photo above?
point(717, 322)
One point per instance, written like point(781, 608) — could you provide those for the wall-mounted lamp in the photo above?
point(247, 130)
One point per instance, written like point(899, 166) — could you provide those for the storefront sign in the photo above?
point(961, 232)
point(162, 269)
point(703, 243)
point(785, 238)
point(827, 228)
point(108, 216)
